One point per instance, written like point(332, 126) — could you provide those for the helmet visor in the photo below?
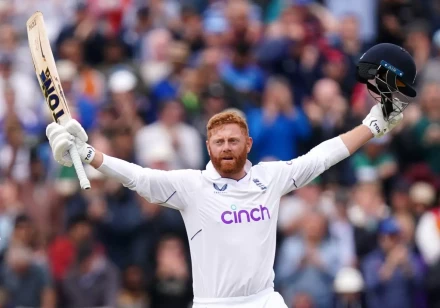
point(387, 89)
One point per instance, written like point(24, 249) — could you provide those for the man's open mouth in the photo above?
point(228, 158)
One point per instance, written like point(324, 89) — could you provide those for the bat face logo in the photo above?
point(50, 95)
point(41, 48)
point(32, 24)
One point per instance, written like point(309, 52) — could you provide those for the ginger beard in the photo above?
point(228, 163)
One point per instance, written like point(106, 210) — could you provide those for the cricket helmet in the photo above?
point(389, 71)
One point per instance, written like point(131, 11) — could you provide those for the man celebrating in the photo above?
point(230, 209)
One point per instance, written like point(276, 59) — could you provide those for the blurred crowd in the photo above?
point(144, 76)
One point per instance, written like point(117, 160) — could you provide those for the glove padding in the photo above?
point(63, 138)
point(376, 122)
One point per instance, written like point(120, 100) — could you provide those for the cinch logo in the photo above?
point(237, 217)
point(220, 189)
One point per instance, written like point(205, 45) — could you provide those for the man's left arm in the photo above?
point(356, 138)
point(300, 171)
point(374, 125)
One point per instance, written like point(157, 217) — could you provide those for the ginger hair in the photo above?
point(227, 117)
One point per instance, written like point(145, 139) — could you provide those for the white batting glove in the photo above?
point(63, 138)
point(377, 124)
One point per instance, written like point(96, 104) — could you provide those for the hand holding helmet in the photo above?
point(389, 72)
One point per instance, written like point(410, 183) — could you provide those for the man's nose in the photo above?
point(226, 147)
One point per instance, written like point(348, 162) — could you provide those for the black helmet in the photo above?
point(390, 72)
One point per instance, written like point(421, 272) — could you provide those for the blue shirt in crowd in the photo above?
point(279, 138)
point(399, 291)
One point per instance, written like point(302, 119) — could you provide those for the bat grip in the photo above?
point(83, 180)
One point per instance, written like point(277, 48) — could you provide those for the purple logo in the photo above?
point(237, 217)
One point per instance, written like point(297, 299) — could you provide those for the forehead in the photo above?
point(227, 130)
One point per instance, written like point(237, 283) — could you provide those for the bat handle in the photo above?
point(83, 180)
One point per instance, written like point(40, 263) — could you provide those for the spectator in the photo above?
point(307, 199)
point(6, 226)
point(23, 234)
point(62, 250)
point(125, 102)
point(81, 107)
point(243, 20)
point(170, 287)
point(427, 130)
point(23, 100)
point(132, 294)
point(427, 230)
point(91, 82)
point(168, 88)
point(92, 281)
point(309, 262)
point(242, 74)
point(303, 300)
point(25, 283)
point(365, 213)
point(392, 273)
point(419, 31)
point(133, 35)
point(393, 16)
point(427, 240)
point(83, 28)
point(155, 56)
point(366, 13)
point(171, 131)
point(15, 152)
point(214, 101)
point(277, 127)
point(422, 196)
point(215, 31)
point(374, 157)
point(399, 199)
point(350, 40)
point(348, 287)
point(342, 230)
point(117, 219)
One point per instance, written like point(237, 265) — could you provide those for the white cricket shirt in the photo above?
point(231, 225)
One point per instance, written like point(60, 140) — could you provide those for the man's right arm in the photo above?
point(97, 160)
point(156, 186)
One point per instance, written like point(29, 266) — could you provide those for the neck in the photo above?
point(236, 176)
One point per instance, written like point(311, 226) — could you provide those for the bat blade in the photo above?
point(50, 83)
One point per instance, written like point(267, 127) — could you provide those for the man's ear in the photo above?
point(249, 143)
point(207, 147)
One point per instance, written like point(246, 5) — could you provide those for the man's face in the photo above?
point(228, 147)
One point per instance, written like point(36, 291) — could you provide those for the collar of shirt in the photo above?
point(212, 173)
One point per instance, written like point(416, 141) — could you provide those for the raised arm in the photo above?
point(374, 125)
point(356, 138)
point(157, 186)
point(97, 160)
point(298, 172)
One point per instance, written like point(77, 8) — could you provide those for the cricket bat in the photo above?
point(47, 75)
